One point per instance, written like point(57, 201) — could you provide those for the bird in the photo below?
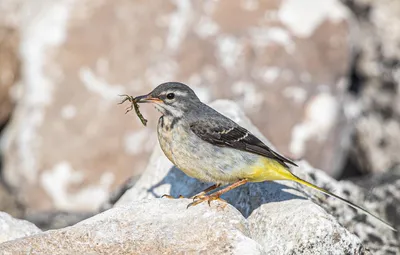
point(212, 148)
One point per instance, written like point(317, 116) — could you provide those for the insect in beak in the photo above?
point(134, 104)
point(147, 99)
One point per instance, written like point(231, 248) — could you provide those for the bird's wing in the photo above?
point(234, 136)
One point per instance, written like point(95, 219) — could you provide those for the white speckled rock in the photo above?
point(11, 228)
point(300, 227)
point(382, 201)
point(162, 226)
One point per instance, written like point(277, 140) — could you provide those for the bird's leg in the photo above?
point(199, 195)
point(216, 195)
point(204, 192)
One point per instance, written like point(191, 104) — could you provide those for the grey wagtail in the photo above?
point(210, 147)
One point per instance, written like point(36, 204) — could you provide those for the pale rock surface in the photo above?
point(11, 228)
point(381, 201)
point(162, 226)
point(300, 227)
point(69, 143)
point(166, 226)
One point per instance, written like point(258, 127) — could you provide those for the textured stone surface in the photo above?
point(8, 202)
point(69, 143)
point(383, 192)
point(11, 228)
point(9, 59)
point(162, 226)
point(165, 226)
point(381, 201)
point(300, 227)
point(160, 177)
point(376, 84)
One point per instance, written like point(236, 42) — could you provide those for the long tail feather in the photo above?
point(297, 179)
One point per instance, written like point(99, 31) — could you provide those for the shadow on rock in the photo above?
point(246, 198)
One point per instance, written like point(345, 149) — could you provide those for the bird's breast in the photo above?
point(165, 137)
point(176, 141)
point(202, 160)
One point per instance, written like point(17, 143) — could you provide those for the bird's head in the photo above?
point(171, 99)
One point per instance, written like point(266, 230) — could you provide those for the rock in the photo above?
point(162, 226)
point(384, 189)
point(11, 228)
point(376, 237)
point(300, 227)
point(9, 66)
point(254, 199)
point(69, 144)
point(9, 204)
point(9, 59)
point(56, 219)
point(165, 226)
point(376, 85)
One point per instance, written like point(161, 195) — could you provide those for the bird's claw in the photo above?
point(202, 198)
point(198, 197)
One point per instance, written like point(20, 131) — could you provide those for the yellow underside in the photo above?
point(270, 170)
point(267, 170)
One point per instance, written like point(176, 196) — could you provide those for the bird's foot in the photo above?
point(201, 195)
point(204, 192)
point(202, 198)
point(171, 197)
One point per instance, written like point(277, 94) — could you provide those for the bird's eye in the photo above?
point(170, 96)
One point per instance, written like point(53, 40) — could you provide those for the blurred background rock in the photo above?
point(320, 79)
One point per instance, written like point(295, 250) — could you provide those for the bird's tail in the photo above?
point(297, 179)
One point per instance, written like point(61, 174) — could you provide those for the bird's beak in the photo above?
point(147, 99)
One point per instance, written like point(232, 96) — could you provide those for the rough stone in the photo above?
point(9, 70)
point(9, 57)
point(11, 228)
point(8, 202)
point(383, 192)
point(300, 227)
point(376, 84)
point(162, 226)
point(166, 226)
point(69, 143)
point(376, 237)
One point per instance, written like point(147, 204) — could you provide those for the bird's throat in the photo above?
point(168, 122)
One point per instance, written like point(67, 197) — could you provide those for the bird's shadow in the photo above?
point(246, 198)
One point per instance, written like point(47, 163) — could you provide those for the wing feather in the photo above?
point(236, 137)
